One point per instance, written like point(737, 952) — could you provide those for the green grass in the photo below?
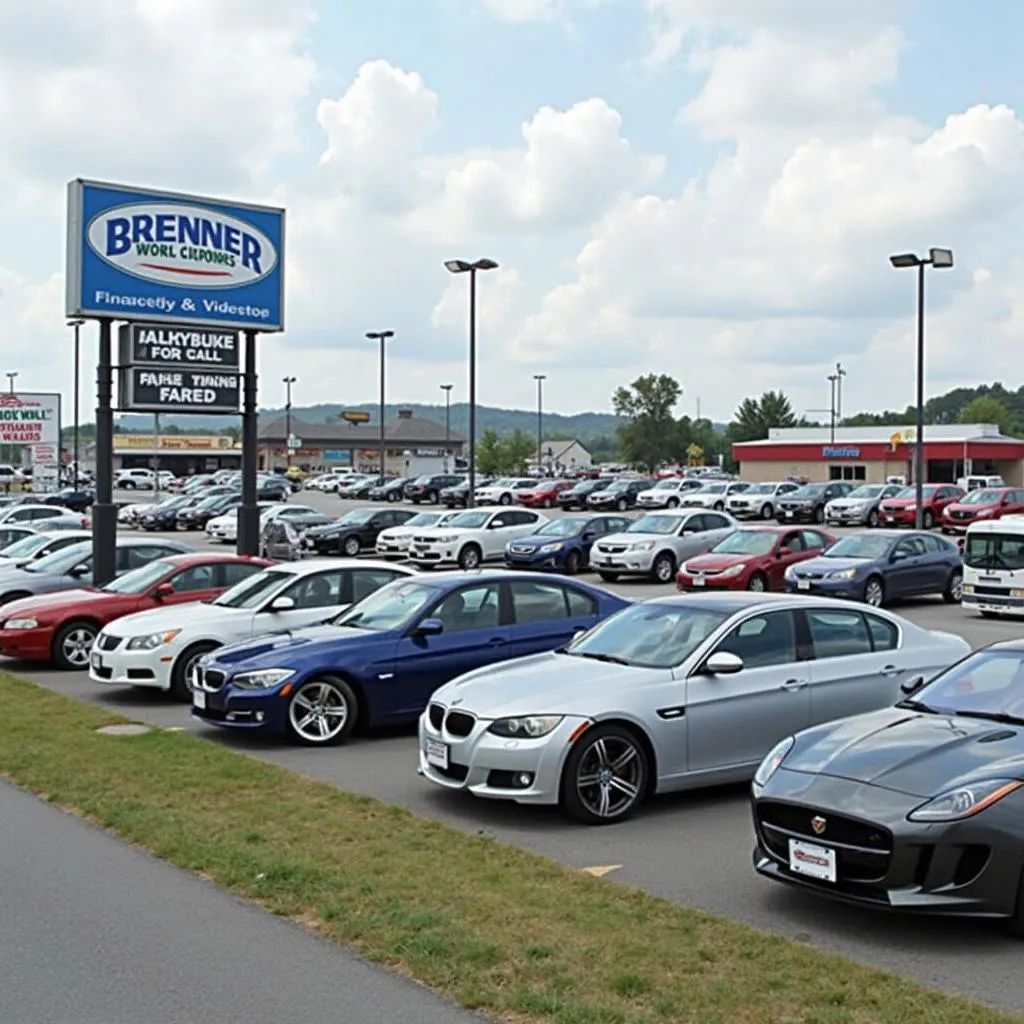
point(503, 931)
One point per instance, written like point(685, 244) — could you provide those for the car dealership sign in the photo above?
point(145, 389)
point(144, 344)
point(136, 254)
point(30, 419)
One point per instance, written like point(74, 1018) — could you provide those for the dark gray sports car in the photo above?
point(919, 807)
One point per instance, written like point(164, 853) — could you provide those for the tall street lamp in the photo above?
point(540, 378)
point(288, 382)
point(382, 337)
point(941, 259)
point(840, 374)
point(77, 325)
point(833, 379)
point(447, 389)
point(10, 380)
point(464, 267)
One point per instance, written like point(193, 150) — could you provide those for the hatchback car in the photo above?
point(981, 504)
point(544, 494)
point(901, 510)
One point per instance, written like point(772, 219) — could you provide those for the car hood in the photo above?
point(396, 532)
point(76, 598)
point(810, 499)
point(718, 562)
point(548, 684)
point(974, 507)
point(540, 541)
point(909, 752)
point(901, 502)
point(179, 616)
point(850, 502)
point(632, 538)
point(280, 649)
point(827, 565)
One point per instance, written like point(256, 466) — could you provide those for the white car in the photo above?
point(160, 648)
point(225, 528)
point(667, 493)
point(469, 538)
point(394, 541)
point(129, 515)
point(504, 490)
point(714, 495)
point(135, 479)
point(43, 517)
point(326, 483)
point(758, 500)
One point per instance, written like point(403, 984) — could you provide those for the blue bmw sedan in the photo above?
point(880, 566)
point(562, 545)
point(379, 661)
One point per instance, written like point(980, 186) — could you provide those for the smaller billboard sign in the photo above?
point(174, 346)
point(29, 418)
point(146, 389)
point(356, 417)
point(840, 452)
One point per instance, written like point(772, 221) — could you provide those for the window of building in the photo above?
point(847, 472)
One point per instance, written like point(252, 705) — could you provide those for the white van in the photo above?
point(993, 553)
point(975, 483)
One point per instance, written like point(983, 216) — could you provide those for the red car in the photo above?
point(752, 558)
point(902, 510)
point(62, 627)
point(983, 503)
point(544, 495)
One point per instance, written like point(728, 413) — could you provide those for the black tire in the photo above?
point(719, 506)
point(819, 514)
point(434, 498)
point(469, 558)
point(599, 750)
point(991, 615)
point(767, 512)
point(873, 519)
point(673, 503)
point(758, 582)
point(505, 499)
point(335, 700)
point(874, 592)
point(927, 520)
point(572, 563)
point(72, 644)
point(954, 591)
point(128, 485)
point(608, 577)
point(621, 504)
point(663, 568)
point(350, 547)
point(181, 688)
point(392, 496)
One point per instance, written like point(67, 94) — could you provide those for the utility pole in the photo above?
point(840, 374)
point(833, 379)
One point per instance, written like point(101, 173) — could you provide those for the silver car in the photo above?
point(860, 506)
point(658, 542)
point(669, 694)
point(758, 500)
point(667, 493)
point(713, 495)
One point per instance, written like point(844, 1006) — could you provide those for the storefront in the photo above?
point(181, 454)
point(879, 454)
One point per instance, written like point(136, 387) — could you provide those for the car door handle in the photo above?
point(496, 641)
point(890, 670)
point(793, 684)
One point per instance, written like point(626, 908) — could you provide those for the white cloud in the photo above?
point(517, 11)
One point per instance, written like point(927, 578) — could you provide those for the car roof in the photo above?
point(1017, 646)
point(184, 560)
point(766, 528)
point(311, 565)
point(730, 602)
point(453, 576)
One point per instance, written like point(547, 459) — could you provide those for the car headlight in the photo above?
point(843, 574)
point(549, 549)
point(263, 679)
point(154, 640)
point(964, 801)
point(734, 570)
point(644, 545)
point(985, 512)
point(20, 624)
point(909, 508)
point(445, 538)
point(771, 764)
point(530, 727)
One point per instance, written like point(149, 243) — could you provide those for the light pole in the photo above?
point(288, 382)
point(465, 267)
point(941, 259)
point(10, 380)
point(840, 374)
point(447, 389)
point(833, 379)
point(540, 378)
point(382, 336)
point(77, 325)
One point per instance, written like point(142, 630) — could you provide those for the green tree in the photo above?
point(756, 416)
point(518, 450)
point(986, 409)
point(651, 435)
point(489, 453)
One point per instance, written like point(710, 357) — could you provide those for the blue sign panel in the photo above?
point(840, 453)
point(135, 254)
point(335, 455)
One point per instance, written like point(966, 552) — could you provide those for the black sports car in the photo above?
point(919, 807)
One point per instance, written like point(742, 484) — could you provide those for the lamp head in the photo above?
point(906, 259)
point(941, 258)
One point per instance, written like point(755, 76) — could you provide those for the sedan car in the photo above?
point(668, 694)
point(544, 494)
point(758, 500)
point(752, 558)
point(655, 544)
point(275, 488)
point(12, 534)
point(807, 503)
point(379, 662)
point(503, 491)
point(390, 490)
point(881, 566)
point(195, 517)
point(70, 568)
point(618, 495)
point(714, 495)
point(39, 545)
point(901, 510)
point(61, 628)
point(164, 515)
point(861, 506)
point(43, 517)
point(981, 504)
point(355, 531)
point(563, 545)
point(917, 807)
point(359, 488)
point(576, 496)
point(75, 501)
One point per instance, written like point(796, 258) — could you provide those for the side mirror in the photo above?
point(429, 627)
point(577, 633)
point(722, 663)
point(912, 686)
point(589, 536)
point(783, 552)
point(162, 591)
point(281, 604)
point(897, 556)
point(79, 571)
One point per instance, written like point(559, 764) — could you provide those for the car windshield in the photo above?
point(60, 561)
point(982, 497)
point(212, 502)
point(655, 524)
point(566, 527)
point(26, 547)
point(762, 489)
point(860, 545)
point(713, 489)
point(649, 635)
point(426, 519)
point(746, 542)
point(467, 520)
point(986, 551)
point(254, 590)
point(667, 485)
point(139, 580)
point(391, 607)
point(357, 516)
point(911, 492)
point(865, 491)
point(986, 684)
point(500, 482)
point(807, 491)
point(171, 503)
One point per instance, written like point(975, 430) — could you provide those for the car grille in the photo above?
point(435, 715)
point(458, 723)
point(701, 573)
point(736, 503)
point(957, 514)
point(106, 642)
point(808, 574)
point(520, 549)
point(213, 679)
point(422, 540)
point(611, 549)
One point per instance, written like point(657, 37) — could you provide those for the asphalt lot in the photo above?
point(108, 935)
point(694, 848)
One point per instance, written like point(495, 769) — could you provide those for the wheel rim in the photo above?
point(351, 548)
point(873, 593)
point(318, 712)
point(77, 644)
point(191, 671)
point(572, 563)
point(956, 587)
point(756, 583)
point(610, 776)
point(470, 559)
point(663, 570)
point(926, 521)
point(872, 518)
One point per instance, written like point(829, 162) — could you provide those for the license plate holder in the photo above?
point(199, 699)
point(96, 660)
point(812, 861)
point(437, 754)
point(803, 584)
point(698, 581)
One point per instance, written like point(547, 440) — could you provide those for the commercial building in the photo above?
point(414, 445)
point(181, 454)
point(877, 454)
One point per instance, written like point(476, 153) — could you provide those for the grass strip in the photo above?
point(506, 932)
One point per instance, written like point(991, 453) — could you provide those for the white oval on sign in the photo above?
point(178, 244)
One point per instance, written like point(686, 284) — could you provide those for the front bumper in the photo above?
point(744, 511)
point(234, 708)
point(950, 525)
point(1000, 604)
point(552, 561)
point(27, 644)
point(654, 502)
point(899, 517)
point(971, 867)
point(847, 517)
point(434, 554)
point(800, 514)
point(391, 548)
point(716, 581)
point(850, 589)
point(122, 667)
point(626, 562)
point(494, 767)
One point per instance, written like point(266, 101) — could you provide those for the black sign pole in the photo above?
point(249, 515)
point(104, 512)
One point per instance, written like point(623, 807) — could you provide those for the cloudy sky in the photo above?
point(677, 186)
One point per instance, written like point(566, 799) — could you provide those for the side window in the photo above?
point(527, 519)
point(812, 541)
point(501, 520)
point(537, 602)
point(198, 577)
point(133, 557)
point(320, 591)
point(367, 581)
point(234, 572)
point(794, 541)
point(934, 546)
point(838, 633)
point(580, 603)
point(763, 640)
point(697, 523)
point(911, 546)
point(884, 635)
point(469, 608)
point(713, 521)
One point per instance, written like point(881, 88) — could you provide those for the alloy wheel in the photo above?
point(610, 776)
point(873, 593)
point(757, 583)
point(318, 713)
point(956, 587)
point(664, 569)
point(76, 644)
point(351, 547)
